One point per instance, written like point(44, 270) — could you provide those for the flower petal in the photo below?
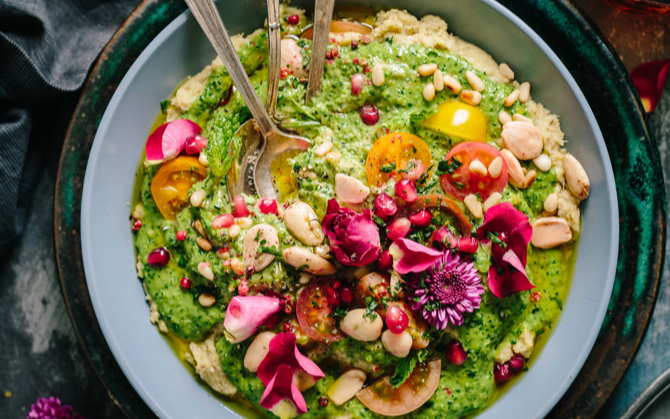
point(282, 396)
point(246, 313)
point(168, 140)
point(410, 256)
point(649, 80)
point(354, 238)
point(510, 278)
point(284, 351)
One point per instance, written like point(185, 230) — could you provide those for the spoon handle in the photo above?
point(208, 17)
point(323, 12)
point(274, 59)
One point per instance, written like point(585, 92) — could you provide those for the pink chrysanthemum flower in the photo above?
point(451, 287)
point(51, 408)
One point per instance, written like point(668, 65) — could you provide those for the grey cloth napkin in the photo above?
point(46, 50)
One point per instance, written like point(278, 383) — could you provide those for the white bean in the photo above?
point(550, 232)
point(302, 222)
point(206, 300)
point(301, 258)
point(259, 235)
point(349, 189)
point(257, 351)
point(346, 386)
point(378, 74)
point(397, 345)
point(362, 328)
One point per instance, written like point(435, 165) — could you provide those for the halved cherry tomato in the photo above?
point(462, 182)
point(171, 184)
point(441, 202)
point(460, 120)
point(314, 312)
point(340, 26)
point(385, 400)
point(391, 156)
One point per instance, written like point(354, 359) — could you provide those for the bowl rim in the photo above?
point(525, 28)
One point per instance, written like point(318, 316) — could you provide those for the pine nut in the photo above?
point(429, 92)
point(197, 197)
point(323, 250)
point(206, 300)
point(333, 157)
point(524, 92)
point(237, 266)
point(511, 98)
point(473, 205)
point(324, 148)
point(438, 80)
point(478, 168)
point(378, 74)
point(496, 167)
point(471, 97)
point(427, 69)
point(529, 178)
point(452, 83)
point(551, 204)
point(506, 71)
point(222, 255)
point(504, 117)
point(543, 162)
point(521, 118)
point(475, 81)
point(204, 244)
point(304, 278)
point(234, 231)
point(199, 228)
point(205, 270)
point(493, 199)
point(203, 159)
point(245, 223)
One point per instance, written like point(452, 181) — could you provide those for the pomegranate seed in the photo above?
point(268, 206)
point(535, 296)
point(287, 327)
point(398, 228)
point(332, 297)
point(385, 261)
point(444, 238)
point(354, 44)
point(502, 372)
point(517, 363)
point(293, 20)
point(283, 73)
point(195, 145)
point(396, 320)
point(456, 353)
point(347, 294)
point(421, 218)
point(222, 221)
point(336, 284)
point(468, 244)
point(137, 225)
point(243, 288)
point(369, 114)
point(185, 283)
point(385, 206)
point(323, 402)
point(357, 83)
point(335, 53)
point(159, 257)
point(329, 54)
point(241, 209)
point(414, 169)
point(406, 190)
point(181, 235)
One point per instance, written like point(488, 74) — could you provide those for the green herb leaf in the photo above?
point(448, 166)
point(388, 168)
point(372, 305)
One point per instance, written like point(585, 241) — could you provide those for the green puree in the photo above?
point(333, 115)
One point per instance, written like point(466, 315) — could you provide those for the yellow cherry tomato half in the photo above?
point(171, 184)
point(394, 153)
point(460, 120)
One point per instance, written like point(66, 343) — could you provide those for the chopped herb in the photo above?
point(409, 167)
point(164, 105)
point(558, 301)
point(448, 166)
point(339, 312)
point(459, 185)
point(274, 250)
point(371, 304)
point(389, 40)
point(388, 168)
point(378, 220)
point(495, 238)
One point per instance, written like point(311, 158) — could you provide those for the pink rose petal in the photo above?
point(284, 351)
point(245, 314)
point(168, 140)
point(649, 80)
point(282, 396)
point(410, 256)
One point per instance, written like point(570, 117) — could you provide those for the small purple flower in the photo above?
point(51, 408)
point(450, 288)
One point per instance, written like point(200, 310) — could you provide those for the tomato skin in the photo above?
point(171, 184)
point(313, 312)
point(462, 182)
point(391, 155)
point(443, 203)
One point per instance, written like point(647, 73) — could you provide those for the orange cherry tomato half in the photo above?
point(462, 182)
point(392, 153)
point(171, 184)
point(314, 312)
point(340, 26)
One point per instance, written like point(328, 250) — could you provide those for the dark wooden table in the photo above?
point(40, 354)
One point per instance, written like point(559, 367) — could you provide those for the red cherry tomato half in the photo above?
point(462, 182)
point(314, 312)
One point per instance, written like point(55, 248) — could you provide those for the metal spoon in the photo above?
point(323, 12)
point(263, 136)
